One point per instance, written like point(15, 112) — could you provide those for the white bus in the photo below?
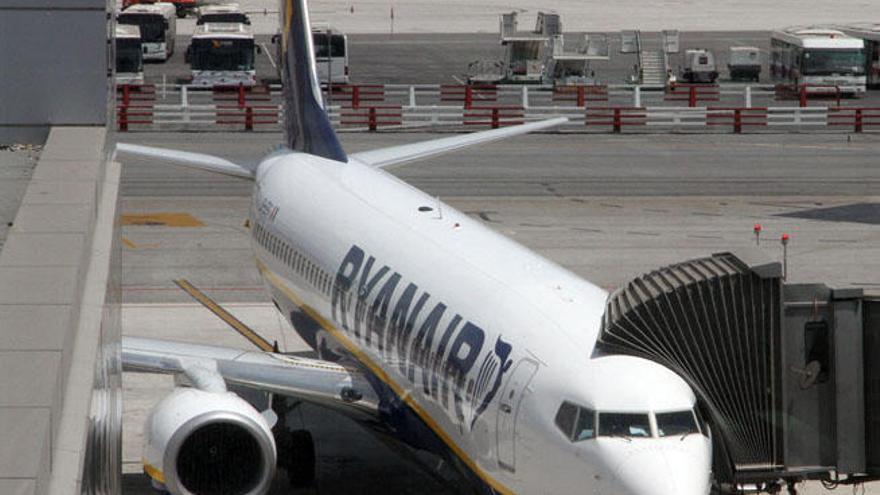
point(818, 56)
point(158, 25)
point(331, 55)
point(870, 34)
point(228, 12)
point(222, 54)
point(129, 55)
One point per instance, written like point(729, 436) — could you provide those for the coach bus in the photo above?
point(331, 55)
point(183, 7)
point(821, 58)
point(222, 54)
point(870, 34)
point(129, 55)
point(158, 26)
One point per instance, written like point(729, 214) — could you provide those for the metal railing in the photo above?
point(414, 106)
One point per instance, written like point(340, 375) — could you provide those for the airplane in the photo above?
point(429, 328)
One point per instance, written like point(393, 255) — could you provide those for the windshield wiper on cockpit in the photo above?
point(624, 436)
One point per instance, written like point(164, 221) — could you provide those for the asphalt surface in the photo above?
point(560, 165)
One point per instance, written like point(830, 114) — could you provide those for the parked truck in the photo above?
point(744, 63)
point(699, 66)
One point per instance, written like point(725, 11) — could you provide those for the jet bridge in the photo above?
point(787, 375)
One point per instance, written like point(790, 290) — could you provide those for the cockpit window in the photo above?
point(677, 423)
point(576, 423)
point(586, 425)
point(565, 418)
point(624, 425)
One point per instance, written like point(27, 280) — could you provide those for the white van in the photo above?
point(699, 66)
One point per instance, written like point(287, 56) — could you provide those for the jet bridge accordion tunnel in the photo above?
point(786, 375)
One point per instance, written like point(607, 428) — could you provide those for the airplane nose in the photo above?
point(664, 472)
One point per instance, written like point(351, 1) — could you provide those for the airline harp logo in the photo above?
point(489, 378)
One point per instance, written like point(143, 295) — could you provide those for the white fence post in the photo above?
point(525, 97)
point(184, 102)
point(748, 97)
point(412, 96)
point(637, 96)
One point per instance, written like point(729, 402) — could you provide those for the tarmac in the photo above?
point(606, 207)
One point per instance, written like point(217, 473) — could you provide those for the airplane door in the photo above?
point(508, 411)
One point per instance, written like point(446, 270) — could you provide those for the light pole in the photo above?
point(329, 69)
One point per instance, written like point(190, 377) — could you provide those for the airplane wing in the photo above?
point(396, 155)
point(314, 380)
point(185, 159)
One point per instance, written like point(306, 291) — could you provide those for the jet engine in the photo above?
point(208, 443)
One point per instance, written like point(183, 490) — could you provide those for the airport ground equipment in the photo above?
point(699, 66)
point(786, 374)
point(573, 67)
point(870, 34)
point(158, 26)
point(182, 7)
point(227, 12)
point(819, 57)
point(331, 56)
point(652, 66)
point(129, 55)
point(526, 53)
point(744, 63)
point(222, 54)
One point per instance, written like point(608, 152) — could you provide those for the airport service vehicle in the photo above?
point(744, 63)
point(222, 54)
point(826, 60)
point(129, 55)
point(181, 7)
point(699, 66)
point(430, 328)
point(227, 12)
point(158, 27)
point(331, 55)
point(870, 34)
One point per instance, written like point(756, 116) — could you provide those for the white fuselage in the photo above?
point(480, 337)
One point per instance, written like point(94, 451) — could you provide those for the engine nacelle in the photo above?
point(205, 443)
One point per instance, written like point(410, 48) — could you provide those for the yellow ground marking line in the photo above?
point(382, 375)
point(154, 473)
point(226, 316)
point(168, 219)
point(132, 245)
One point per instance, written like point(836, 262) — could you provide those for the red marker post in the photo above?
point(757, 230)
point(784, 241)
